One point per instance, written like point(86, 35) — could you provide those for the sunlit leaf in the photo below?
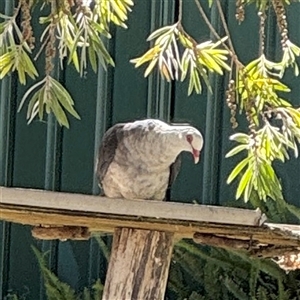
point(17, 60)
point(93, 59)
point(151, 66)
point(245, 180)
point(210, 3)
point(240, 137)
point(185, 40)
point(149, 55)
point(51, 95)
point(237, 169)
point(236, 150)
point(247, 192)
point(160, 32)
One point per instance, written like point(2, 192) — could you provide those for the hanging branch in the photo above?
point(51, 96)
point(255, 90)
point(196, 60)
point(14, 48)
point(258, 87)
point(74, 32)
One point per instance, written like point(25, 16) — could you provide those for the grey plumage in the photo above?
point(140, 160)
point(108, 148)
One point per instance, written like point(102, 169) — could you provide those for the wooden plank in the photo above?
point(82, 220)
point(150, 209)
point(97, 222)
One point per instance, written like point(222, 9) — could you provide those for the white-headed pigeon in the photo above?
point(140, 160)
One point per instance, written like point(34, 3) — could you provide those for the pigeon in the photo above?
point(140, 159)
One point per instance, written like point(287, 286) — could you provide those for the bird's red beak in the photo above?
point(196, 154)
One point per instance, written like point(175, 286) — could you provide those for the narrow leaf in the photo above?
point(237, 169)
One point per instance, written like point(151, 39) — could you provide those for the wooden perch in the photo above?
point(77, 216)
point(95, 205)
point(50, 211)
point(101, 214)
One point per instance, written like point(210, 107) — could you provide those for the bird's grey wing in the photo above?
point(107, 149)
point(174, 170)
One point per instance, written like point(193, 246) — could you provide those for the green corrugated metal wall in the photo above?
point(45, 156)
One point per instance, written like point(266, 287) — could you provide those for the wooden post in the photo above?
point(139, 264)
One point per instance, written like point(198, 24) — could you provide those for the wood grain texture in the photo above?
point(275, 234)
point(139, 208)
point(139, 265)
point(100, 214)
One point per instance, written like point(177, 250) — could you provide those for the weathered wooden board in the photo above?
point(61, 209)
point(150, 209)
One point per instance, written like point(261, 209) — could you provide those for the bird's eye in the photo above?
point(189, 138)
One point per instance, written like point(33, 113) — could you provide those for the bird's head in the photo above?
point(177, 137)
point(190, 138)
point(194, 142)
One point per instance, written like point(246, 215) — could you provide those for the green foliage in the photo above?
point(199, 272)
point(235, 289)
point(11, 297)
point(268, 140)
point(55, 289)
point(256, 91)
point(196, 59)
point(74, 32)
point(274, 125)
point(94, 293)
point(58, 290)
point(256, 84)
point(52, 97)
point(14, 50)
point(115, 11)
point(258, 173)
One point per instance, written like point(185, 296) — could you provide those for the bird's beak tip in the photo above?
point(196, 154)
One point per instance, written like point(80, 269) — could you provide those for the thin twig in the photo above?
point(42, 48)
point(225, 27)
point(17, 10)
point(262, 18)
point(214, 32)
point(208, 23)
point(231, 68)
point(239, 65)
point(180, 11)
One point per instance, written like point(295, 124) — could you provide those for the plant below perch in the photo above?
point(242, 277)
point(55, 289)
